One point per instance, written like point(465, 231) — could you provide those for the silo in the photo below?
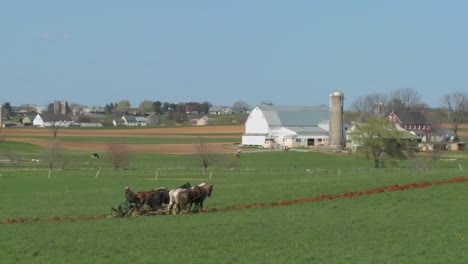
point(336, 120)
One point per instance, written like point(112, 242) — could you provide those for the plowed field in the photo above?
point(28, 135)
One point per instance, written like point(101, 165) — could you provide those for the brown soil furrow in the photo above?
point(322, 197)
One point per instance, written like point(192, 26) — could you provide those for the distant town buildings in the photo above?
point(60, 107)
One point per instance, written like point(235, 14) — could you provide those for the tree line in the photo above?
point(376, 136)
point(453, 107)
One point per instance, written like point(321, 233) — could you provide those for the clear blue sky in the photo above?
point(94, 52)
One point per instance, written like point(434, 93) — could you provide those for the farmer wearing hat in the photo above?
point(131, 201)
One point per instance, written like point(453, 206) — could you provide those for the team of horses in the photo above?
point(177, 200)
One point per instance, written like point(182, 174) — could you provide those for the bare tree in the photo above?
point(56, 125)
point(56, 121)
point(405, 100)
point(54, 157)
point(240, 107)
point(455, 104)
point(372, 105)
point(204, 154)
point(118, 154)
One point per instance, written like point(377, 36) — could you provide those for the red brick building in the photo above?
point(415, 122)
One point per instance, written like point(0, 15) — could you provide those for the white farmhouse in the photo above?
point(279, 126)
point(52, 120)
point(132, 120)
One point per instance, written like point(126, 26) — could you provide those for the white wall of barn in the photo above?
point(253, 140)
point(256, 123)
point(282, 135)
point(38, 121)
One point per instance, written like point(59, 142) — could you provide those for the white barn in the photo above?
point(282, 126)
point(50, 120)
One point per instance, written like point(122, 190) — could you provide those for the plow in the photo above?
point(126, 209)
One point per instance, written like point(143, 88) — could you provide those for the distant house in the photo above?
point(94, 111)
point(28, 119)
point(50, 120)
point(131, 120)
point(442, 135)
point(220, 110)
point(118, 122)
point(89, 124)
point(199, 120)
point(141, 120)
point(191, 110)
point(415, 122)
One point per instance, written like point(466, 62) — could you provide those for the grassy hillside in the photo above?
point(426, 225)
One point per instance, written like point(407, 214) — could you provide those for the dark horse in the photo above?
point(198, 195)
point(156, 198)
point(159, 197)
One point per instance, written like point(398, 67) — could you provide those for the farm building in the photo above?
point(415, 122)
point(50, 120)
point(28, 119)
point(282, 126)
point(220, 110)
point(132, 120)
point(199, 120)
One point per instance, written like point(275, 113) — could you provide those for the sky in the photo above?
point(289, 53)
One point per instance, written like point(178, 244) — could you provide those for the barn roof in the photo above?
point(130, 118)
point(412, 117)
point(55, 117)
point(308, 130)
point(295, 116)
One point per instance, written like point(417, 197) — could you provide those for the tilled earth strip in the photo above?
point(319, 198)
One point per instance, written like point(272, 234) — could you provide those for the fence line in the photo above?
point(192, 172)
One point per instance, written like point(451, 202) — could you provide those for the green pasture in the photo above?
point(427, 225)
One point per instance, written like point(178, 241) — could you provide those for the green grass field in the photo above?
point(426, 225)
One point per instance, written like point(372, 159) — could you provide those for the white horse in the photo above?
point(174, 198)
